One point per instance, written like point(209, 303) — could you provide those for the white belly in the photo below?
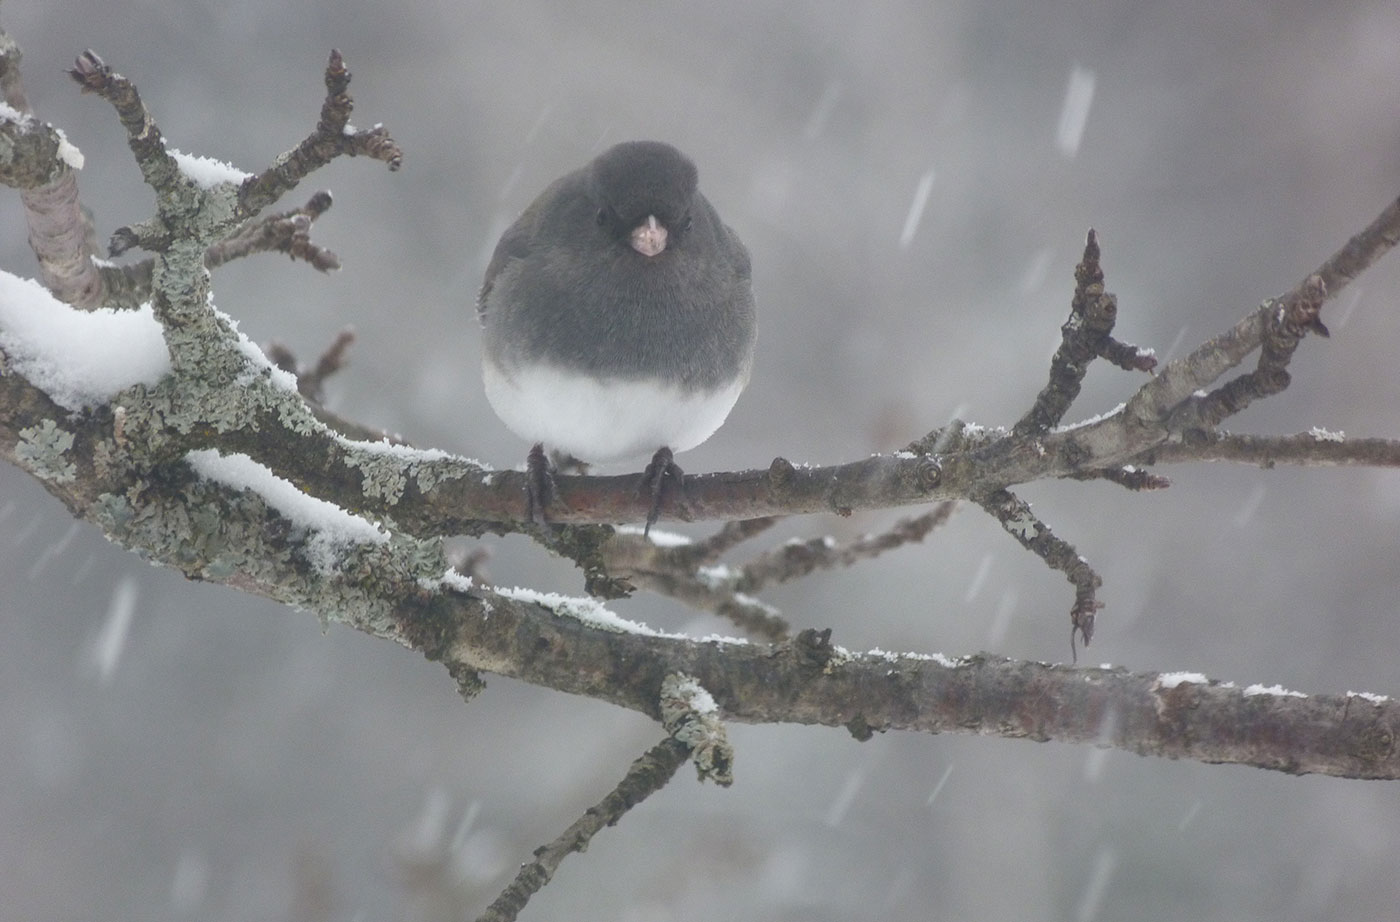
point(600, 422)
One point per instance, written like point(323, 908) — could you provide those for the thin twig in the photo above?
point(287, 232)
point(730, 535)
point(1085, 336)
point(1316, 448)
point(1016, 518)
point(333, 137)
point(1285, 323)
point(646, 776)
point(681, 574)
point(143, 136)
point(1207, 362)
point(799, 558)
point(311, 380)
point(1129, 477)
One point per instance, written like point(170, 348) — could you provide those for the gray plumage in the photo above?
point(564, 286)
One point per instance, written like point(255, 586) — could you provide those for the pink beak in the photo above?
point(648, 239)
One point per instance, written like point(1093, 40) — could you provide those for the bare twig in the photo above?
point(288, 232)
point(143, 136)
point(730, 535)
point(1317, 448)
point(690, 716)
point(1016, 518)
point(687, 575)
point(311, 380)
point(646, 776)
point(333, 137)
point(1285, 323)
point(799, 558)
point(310, 385)
point(679, 573)
point(1295, 311)
point(1086, 335)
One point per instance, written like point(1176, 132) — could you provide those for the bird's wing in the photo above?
point(514, 244)
point(519, 239)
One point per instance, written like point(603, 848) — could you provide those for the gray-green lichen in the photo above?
point(425, 474)
point(41, 449)
point(211, 532)
point(690, 714)
point(1022, 527)
point(382, 475)
point(217, 402)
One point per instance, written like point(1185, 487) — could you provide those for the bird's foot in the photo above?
point(661, 471)
point(539, 484)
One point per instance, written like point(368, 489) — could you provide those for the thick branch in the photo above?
point(399, 589)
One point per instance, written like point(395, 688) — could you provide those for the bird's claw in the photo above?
point(539, 484)
point(661, 471)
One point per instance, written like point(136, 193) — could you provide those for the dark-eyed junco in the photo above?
point(618, 316)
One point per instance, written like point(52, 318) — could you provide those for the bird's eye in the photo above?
point(686, 222)
point(602, 218)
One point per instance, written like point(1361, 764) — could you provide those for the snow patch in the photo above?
point(332, 528)
point(938, 658)
point(586, 610)
point(68, 151)
point(450, 579)
point(1277, 691)
point(658, 537)
point(1091, 420)
point(206, 172)
point(79, 358)
point(1173, 679)
point(701, 701)
point(400, 451)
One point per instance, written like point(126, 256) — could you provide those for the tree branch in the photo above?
point(647, 775)
point(333, 137)
point(1085, 336)
point(1016, 518)
point(39, 161)
point(187, 470)
point(1315, 448)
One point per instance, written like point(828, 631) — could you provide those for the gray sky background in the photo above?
point(237, 763)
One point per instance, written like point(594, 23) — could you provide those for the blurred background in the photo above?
point(914, 181)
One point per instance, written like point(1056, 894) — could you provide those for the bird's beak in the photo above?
point(649, 238)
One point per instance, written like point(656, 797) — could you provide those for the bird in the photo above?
point(618, 319)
